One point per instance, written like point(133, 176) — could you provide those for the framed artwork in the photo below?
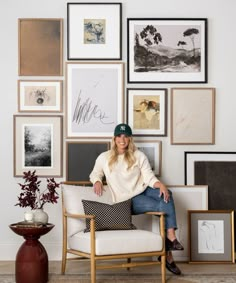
point(94, 31)
point(191, 157)
point(38, 145)
point(187, 198)
point(147, 111)
point(40, 53)
point(188, 124)
point(39, 96)
point(152, 149)
point(167, 50)
point(211, 236)
point(76, 153)
point(95, 97)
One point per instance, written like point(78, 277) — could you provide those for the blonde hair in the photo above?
point(128, 155)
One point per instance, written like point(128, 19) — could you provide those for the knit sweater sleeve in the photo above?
point(149, 177)
point(97, 173)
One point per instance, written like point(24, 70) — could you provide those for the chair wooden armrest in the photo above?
point(155, 213)
point(79, 215)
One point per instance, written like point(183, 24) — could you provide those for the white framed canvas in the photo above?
point(95, 92)
point(187, 198)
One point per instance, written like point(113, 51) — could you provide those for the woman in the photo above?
point(129, 176)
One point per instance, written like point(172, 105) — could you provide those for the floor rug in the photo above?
point(54, 278)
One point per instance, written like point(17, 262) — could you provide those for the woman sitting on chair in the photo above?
point(129, 176)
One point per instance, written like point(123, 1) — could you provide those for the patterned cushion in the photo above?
point(109, 217)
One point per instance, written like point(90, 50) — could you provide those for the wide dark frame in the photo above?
point(119, 57)
point(162, 80)
point(227, 216)
point(81, 157)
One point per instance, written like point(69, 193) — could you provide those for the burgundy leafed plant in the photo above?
point(32, 196)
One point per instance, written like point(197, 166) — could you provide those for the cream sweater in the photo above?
point(124, 184)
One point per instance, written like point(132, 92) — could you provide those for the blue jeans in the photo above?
point(150, 200)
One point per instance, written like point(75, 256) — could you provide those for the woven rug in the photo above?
point(54, 278)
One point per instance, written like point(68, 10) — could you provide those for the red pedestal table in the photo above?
point(31, 259)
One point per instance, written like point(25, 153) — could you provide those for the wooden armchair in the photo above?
point(109, 244)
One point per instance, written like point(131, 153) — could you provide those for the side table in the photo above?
point(31, 260)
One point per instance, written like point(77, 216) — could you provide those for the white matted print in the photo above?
point(152, 149)
point(38, 145)
point(147, 111)
point(39, 96)
point(95, 94)
point(187, 198)
point(192, 116)
point(94, 31)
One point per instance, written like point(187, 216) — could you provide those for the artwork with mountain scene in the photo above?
point(167, 48)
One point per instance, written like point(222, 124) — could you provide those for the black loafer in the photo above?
point(172, 267)
point(173, 245)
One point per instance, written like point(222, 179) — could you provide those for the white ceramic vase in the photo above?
point(40, 216)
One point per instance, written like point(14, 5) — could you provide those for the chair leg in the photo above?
point(128, 261)
point(63, 264)
point(93, 270)
point(163, 269)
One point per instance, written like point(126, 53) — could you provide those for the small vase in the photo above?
point(40, 216)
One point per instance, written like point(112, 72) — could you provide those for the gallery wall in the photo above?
point(221, 76)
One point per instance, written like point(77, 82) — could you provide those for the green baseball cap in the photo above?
point(123, 129)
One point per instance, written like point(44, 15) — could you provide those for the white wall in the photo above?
point(221, 63)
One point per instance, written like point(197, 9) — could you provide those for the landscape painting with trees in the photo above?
point(167, 50)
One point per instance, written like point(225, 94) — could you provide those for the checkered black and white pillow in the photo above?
point(109, 217)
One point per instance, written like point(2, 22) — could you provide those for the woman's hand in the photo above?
point(98, 188)
point(163, 191)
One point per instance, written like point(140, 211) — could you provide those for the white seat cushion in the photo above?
point(117, 242)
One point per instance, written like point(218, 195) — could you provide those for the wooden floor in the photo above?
point(8, 267)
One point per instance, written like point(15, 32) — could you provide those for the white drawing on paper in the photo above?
point(210, 236)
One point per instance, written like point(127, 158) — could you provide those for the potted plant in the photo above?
point(31, 195)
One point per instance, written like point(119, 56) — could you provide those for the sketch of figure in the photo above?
point(94, 31)
point(210, 236)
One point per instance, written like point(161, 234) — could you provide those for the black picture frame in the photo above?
point(81, 157)
point(87, 42)
point(172, 61)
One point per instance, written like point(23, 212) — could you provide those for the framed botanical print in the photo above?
point(147, 111)
point(38, 145)
point(94, 98)
point(39, 96)
point(152, 149)
point(94, 31)
point(167, 50)
point(77, 152)
point(192, 116)
point(40, 53)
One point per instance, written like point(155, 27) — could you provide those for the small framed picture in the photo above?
point(40, 53)
point(211, 236)
point(147, 111)
point(39, 96)
point(192, 116)
point(94, 31)
point(38, 145)
point(167, 50)
point(76, 153)
point(152, 149)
